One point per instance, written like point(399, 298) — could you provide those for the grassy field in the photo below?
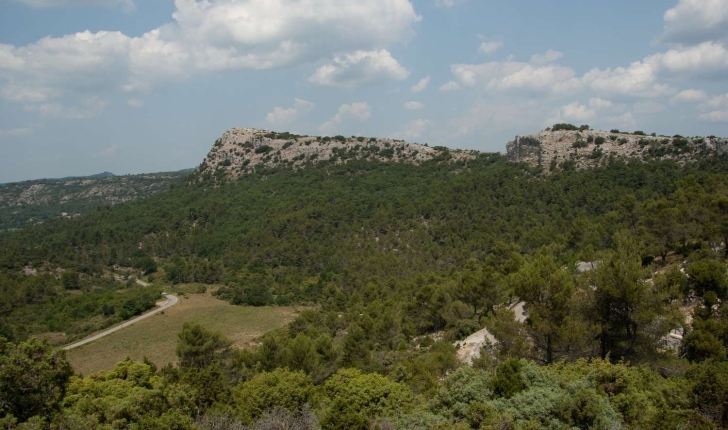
point(156, 337)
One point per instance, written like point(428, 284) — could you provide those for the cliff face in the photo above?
point(242, 150)
point(590, 148)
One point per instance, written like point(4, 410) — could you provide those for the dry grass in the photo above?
point(156, 337)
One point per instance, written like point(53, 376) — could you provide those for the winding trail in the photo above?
point(171, 301)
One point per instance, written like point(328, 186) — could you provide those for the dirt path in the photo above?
point(470, 347)
point(171, 301)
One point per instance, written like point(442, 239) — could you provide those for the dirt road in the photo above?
point(171, 301)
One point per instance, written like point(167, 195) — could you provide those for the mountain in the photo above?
point(565, 149)
point(242, 150)
point(30, 202)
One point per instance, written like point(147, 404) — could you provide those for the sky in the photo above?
point(133, 86)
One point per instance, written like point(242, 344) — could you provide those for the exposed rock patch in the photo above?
point(564, 149)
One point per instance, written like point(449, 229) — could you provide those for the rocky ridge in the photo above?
point(242, 150)
point(581, 149)
point(30, 202)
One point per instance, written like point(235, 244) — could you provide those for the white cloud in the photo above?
point(108, 152)
point(128, 5)
point(517, 76)
point(413, 106)
point(16, 132)
point(689, 96)
point(280, 116)
point(597, 103)
point(717, 102)
point(135, 103)
point(695, 21)
point(715, 116)
point(357, 111)
point(205, 36)
point(625, 121)
point(707, 60)
point(577, 112)
point(639, 79)
point(547, 57)
point(413, 129)
point(421, 85)
point(359, 68)
point(488, 47)
point(450, 86)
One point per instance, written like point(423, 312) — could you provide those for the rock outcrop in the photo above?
point(562, 149)
point(242, 150)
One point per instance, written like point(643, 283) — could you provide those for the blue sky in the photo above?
point(133, 86)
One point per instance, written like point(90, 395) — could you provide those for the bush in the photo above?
point(564, 126)
point(600, 140)
point(614, 130)
point(507, 381)
point(70, 280)
point(579, 144)
point(262, 149)
point(281, 388)
point(708, 275)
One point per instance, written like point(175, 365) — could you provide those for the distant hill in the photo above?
point(31, 202)
point(567, 149)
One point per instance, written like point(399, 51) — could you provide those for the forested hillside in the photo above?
point(32, 202)
point(397, 260)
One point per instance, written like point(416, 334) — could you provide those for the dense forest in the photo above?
point(397, 261)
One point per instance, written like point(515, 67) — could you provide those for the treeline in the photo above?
point(350, 222)
point(32, 305)
point(212, 388)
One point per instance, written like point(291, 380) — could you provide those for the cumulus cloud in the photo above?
point(421, 85)
point(488, 47)
point(577, 112)
point(281, 116)
point(717, 102)
point(696, 21)
point(359, 68)
point(547, 57)
point(204, 37)
point(715, 116)
point(707, 60)
point(128, 5)
point(413, 106)
point(357, 111)
point(413, 129)
point(450, 86)
point(689, 96)
point(517, 76)
point(639, 79)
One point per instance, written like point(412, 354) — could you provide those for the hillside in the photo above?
point(396, 258)
point(242, 150)
point(31, 202)
point(564, 149)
